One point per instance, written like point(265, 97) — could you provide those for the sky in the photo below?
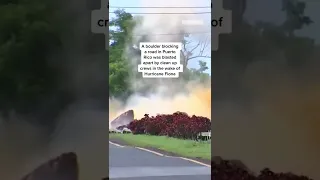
point(206, 17)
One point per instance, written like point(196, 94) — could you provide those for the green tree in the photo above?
point(199, 74)
point(27, 34)
point(120, 34)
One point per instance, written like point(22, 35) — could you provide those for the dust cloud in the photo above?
point(195, 102)
point(166, 96)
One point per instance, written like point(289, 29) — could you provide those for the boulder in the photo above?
point(63, 167)
point(123, 120)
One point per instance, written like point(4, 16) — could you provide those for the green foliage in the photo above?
point(197, 74)
point(26, 36)
point(120, 30)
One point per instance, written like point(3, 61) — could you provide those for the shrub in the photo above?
point(155, 125)
point(138, 126)
point(178, 125)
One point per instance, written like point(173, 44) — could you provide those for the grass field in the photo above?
point(186, 148)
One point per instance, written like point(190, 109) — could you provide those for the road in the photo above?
point(128, 163)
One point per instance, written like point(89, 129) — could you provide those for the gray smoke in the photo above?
point(169, 95)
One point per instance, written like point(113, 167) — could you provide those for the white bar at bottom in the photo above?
point(134, 172)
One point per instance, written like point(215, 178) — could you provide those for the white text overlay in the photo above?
point(160, 60)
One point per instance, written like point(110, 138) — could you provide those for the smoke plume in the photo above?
point(166, 96)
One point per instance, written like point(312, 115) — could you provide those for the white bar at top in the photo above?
point(192, 22)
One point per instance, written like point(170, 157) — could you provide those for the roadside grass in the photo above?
point(185, 148)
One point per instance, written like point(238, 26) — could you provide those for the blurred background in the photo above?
point(266, 86)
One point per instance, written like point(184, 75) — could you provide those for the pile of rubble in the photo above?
point(119, 124)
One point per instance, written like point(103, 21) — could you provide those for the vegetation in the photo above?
point(177, 125)
point(26, 39)
point(185, 148)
